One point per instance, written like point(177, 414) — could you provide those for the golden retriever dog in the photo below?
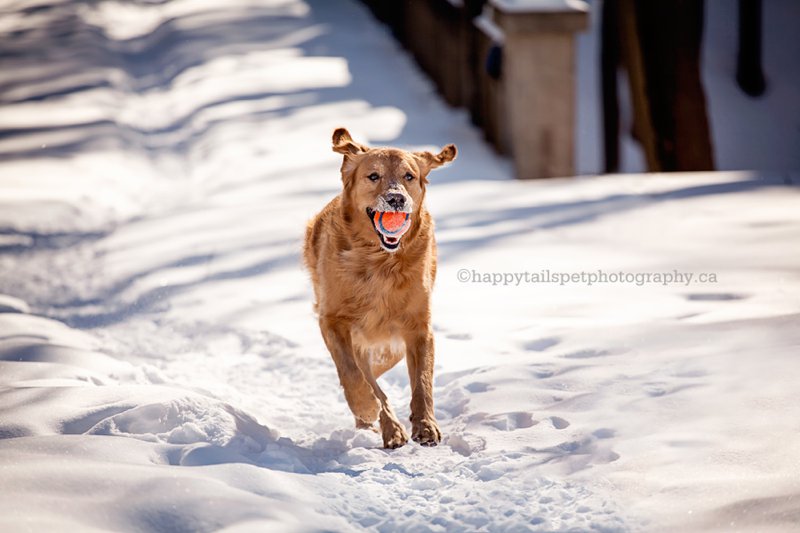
point(372, 259)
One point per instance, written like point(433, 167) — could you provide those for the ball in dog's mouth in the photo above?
point(390, 226)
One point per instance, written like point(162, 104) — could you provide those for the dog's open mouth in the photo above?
point(390, 226)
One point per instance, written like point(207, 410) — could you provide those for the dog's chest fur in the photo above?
point(381, 300)
point(382, 354)
point(383, 290)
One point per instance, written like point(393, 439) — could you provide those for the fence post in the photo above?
point(539, 78)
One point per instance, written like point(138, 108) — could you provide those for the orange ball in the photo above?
point(392, 222)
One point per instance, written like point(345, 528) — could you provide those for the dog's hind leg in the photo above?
point(358, 393)
point(393, 432)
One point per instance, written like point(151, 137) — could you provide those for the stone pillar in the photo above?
point(539, 78)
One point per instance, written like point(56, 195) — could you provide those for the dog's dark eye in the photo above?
point(374, 177)
point(409, 176)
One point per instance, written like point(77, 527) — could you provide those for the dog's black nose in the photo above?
point(396, 200)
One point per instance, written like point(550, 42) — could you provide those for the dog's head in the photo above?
point(384, 187)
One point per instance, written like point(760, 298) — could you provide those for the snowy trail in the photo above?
point(159, 358)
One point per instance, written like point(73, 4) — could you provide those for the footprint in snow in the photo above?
point(604, 433)
point(465, 444)
point(478, 386)
point(511, 421)
point(540, 345)
point(715, 297)
point(655, 390)
point(586, 354)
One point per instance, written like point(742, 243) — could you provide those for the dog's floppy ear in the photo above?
point(447, 154)
point(344, 144)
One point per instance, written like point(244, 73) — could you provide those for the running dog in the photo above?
point(372, 258)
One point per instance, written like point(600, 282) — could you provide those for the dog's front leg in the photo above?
point(424, 428)
point(357, 391)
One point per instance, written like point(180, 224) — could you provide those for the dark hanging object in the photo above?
point(749, 71)
point(609, 63)
point(494, 62)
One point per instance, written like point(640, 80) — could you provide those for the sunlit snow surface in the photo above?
point(160, 366)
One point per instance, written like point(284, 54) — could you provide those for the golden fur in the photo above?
point(374, 302)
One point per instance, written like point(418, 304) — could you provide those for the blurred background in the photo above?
point(656, 86)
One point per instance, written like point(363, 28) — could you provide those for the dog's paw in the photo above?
point(394, 434)
point(426, 432)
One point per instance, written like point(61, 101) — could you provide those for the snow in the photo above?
point(161, 368)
